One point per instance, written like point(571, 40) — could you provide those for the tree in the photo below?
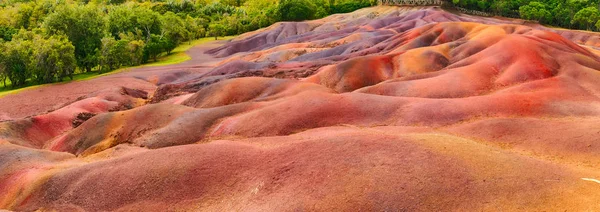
point(217, 8)
point(167, 45)
point(23, 16)
point(575, 5)
point(147, 20)
point(121, 19)
point(232, 24)
point(216, 30)
point(41, 9)
point(31, 56)
point(8, 16)
point(535, 11)
point(52, 59)
point(107, 59)
point(173, 28)
point(470, 4)
point(236, 3)
point(6, 33)
point(180, 6)
point(16, 59)
point(262, 13)
point(154, 47)
point(193, 28)
point(64, 52)
point(118, 53)
point(561, 16)
point(587, 17)
point(3, 74)
point(296, 10)
point(348, 6)
point(135, 49)
point(116, 1)
point(84, 27)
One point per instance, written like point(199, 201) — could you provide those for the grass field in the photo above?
point(178, 55)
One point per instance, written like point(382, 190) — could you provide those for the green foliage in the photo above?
point(262, 13)
point(561, 13)
point(8, 16)
point(561, 16)
point(3, 73)
point(193, 28)
point(53, 59)
point(184, 6)
point(45, 41)
point(296, 10)
point(121, 19)
point(83, 25)
point(23, 16)
point(16, 56)
point(235, 3)
point(31, 56)
point(6, 33)
point(586, 17)
point(113, 54)
point(135, 49)
point(216, 9)
point(482, 5)
point(216, 30)
point(147, 20)
point(173, 28)
point(116, 1)
point(155, 46)
point(349, 6)
point(535, 11)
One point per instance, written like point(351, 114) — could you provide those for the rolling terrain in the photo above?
point(383, 109)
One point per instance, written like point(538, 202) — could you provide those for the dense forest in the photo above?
point(43, 41)
point(573, 14)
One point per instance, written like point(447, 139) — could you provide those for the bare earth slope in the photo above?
point(382, 109)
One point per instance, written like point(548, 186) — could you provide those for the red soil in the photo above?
point(386, 108)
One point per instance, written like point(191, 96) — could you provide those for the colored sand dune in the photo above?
point(383, 109)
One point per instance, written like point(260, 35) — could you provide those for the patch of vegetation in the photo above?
point(46, 41)
point(573, 14)
point(178, 55)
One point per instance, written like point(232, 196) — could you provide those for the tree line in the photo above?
point(44, 41)
point(573, 14)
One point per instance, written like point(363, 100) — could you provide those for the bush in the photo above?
point(296, 10)
point(52, 59)
point(349, 6)
point(157, 45)
point(16, 58)
point(6, 33)
point(43, 60)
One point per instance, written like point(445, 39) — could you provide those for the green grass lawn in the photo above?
point(178, 55)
